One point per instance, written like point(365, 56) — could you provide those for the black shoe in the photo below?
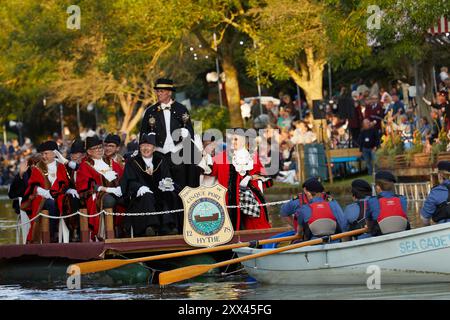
point(150, 232)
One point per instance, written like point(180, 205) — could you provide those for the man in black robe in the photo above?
point(146, 180)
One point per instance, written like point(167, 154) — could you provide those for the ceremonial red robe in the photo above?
point(87, 179)
point(227, 176)
point(32, 202)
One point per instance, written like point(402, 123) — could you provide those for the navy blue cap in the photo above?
point(443, 166)
point(113, 138)
point(313, 185)
point(385, 175)
point(47, 146)
point(148, 138)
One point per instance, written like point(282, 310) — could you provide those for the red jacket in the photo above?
point(221, 170)
point(374, 112)
point(87, 179)
point(34, 202)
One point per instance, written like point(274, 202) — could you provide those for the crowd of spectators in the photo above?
point(356, 117)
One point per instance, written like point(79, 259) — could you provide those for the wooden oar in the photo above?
point(102, 265)
point(188, 272)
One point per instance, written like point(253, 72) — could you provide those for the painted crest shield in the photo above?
point(206, 220)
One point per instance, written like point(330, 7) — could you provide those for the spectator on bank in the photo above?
point(303, 133)
point(368, 142)
point(424, 128)
point(284, 119)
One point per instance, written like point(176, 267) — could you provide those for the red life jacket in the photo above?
point(390, 207)
point(322, 220)
point(392, 217)
point(303, 199)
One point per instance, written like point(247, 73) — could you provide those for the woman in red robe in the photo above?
point(46, 188)
point(240, 172)
point(97, 183)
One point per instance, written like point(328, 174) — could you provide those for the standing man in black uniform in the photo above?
point(164, 119)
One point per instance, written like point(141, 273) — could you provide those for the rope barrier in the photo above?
point(123, 214)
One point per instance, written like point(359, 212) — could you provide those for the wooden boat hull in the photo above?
point(415, 256)
point(49, 262)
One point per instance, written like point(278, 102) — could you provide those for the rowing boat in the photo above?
point(419, 255)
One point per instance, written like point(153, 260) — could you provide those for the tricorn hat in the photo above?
point(148, 138)
point(77, 147)
point(164, 84)
point(113, 138)
point(92, 142)
point(47, 146)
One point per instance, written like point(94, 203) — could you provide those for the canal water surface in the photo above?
point(226, 287)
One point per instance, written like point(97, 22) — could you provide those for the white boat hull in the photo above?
point(415, 256)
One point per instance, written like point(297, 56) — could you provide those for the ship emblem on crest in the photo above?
point(206, 220)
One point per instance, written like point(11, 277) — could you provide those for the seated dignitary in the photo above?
point(437, 205)
point(319, 217)
point(112, 148)
point(45, 191)
point(386, 212)
point(144, 180)
point(355, 212)
point(72, 202)
point(97, 183)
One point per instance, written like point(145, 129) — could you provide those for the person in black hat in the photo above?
point(72, 201)
point(171, 123)
point(319, 217)
point(97, 183)
point(436, 206)
point(112, 144)
point(441, 105)
point(355, 213)
point(386, 212)
point(147, 187)
point(46, 188)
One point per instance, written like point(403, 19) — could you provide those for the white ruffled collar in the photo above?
point(242, 161)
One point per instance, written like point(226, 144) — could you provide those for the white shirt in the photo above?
point(148, 162)
point(246, 110)
point(102, 167)
point(51, 168)
point(169, 145)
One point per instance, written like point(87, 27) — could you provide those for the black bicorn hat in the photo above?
point(443, 166)
point(92, 142)
point(149, 138)
point(49, 145)
point(385, 175)
point(113, 138)
point(77, 147)
point(313, 185)
point(361, 187)
point(164, 84)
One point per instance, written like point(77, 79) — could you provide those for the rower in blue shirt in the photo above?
point(320, 217)
point(386, 212)
point(436, 206)
point(355, 213)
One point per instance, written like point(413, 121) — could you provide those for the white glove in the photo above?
point(143, 190)
point(60, 157)
point(206, 164)
point(72, 165)
point(166, 184)
point(44, 193)
point(244, 182)
point(116, 191)
point(73, 193)
point(184, 132)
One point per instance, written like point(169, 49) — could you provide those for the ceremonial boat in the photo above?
point(419, 255)
point(49, 261)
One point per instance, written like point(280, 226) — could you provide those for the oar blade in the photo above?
point(99, 265)
point(184, 273)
